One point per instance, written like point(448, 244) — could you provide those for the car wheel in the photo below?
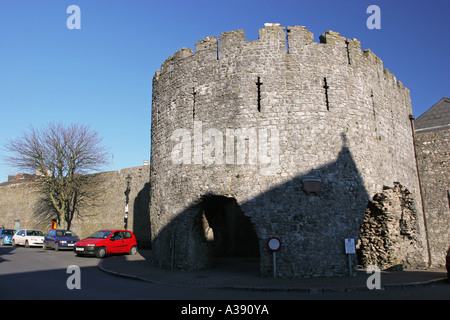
point(1, 242)
point(44, 247)
point(101, 253)
point(56, 246)
point(13, 243)
point(133, 250)
point(27, 245)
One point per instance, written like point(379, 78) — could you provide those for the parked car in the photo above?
point(28, 237)
point(60, 239)
point(6, 236)
point(105, 242)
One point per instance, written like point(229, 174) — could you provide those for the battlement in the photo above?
point(295, 41)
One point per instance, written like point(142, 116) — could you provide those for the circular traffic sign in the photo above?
point(274, 244)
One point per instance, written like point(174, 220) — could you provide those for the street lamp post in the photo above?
point(127, 193)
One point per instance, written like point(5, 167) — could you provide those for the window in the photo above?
point(69, 234)
point(34, 233)
point(127, 235)
point(117, 235)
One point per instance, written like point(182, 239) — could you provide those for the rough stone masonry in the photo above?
point(331, 129)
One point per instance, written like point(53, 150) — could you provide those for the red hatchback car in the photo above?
point(105, 242)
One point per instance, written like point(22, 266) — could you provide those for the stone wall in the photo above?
point(390, 233)
point(19, 200)
point(302, 113)
point(433, 157)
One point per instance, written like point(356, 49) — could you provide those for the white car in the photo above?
point(28, 237)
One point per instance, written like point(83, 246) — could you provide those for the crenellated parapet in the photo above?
point(292, 40)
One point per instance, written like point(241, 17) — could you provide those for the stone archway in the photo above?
point(229, 234)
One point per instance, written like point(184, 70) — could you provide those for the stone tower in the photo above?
point(282, 137)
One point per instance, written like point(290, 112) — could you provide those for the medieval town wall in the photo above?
point(433, 158)
point(19, 201)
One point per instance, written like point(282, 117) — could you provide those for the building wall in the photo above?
point(433, 148)
point(327, 112)
point(20, 201)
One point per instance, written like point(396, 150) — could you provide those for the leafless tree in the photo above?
point(62, 158)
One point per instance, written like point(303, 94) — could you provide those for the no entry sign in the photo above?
point(274, 244)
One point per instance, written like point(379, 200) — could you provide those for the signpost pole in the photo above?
point(274, 244)
point(349, 250)
point(350, 265)
point(274, 264)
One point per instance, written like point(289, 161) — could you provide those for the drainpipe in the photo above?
point(411, 119)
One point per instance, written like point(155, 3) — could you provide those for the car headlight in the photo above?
point(62, 241)
point(91, 245)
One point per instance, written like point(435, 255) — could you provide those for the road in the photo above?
point(33, 273)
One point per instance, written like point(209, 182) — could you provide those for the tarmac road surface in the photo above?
point(37, 274)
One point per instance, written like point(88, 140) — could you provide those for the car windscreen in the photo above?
point(34, 233)
point(100, 234)
point(66, 233)
point(8, 232)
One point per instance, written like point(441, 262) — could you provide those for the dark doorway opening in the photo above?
point(230, 235)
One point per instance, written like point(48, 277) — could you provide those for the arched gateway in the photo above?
point(228, 232)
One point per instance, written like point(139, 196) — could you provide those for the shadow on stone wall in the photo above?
point(141, 217)
point(312, 214)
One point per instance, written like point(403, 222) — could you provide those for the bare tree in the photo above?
point(62, 157)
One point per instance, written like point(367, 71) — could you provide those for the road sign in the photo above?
point(274, 244)
point(350, 246)
point(349, 250)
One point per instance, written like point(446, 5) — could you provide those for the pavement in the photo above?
point(242, 274)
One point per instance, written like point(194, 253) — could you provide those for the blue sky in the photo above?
point(101, 75)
